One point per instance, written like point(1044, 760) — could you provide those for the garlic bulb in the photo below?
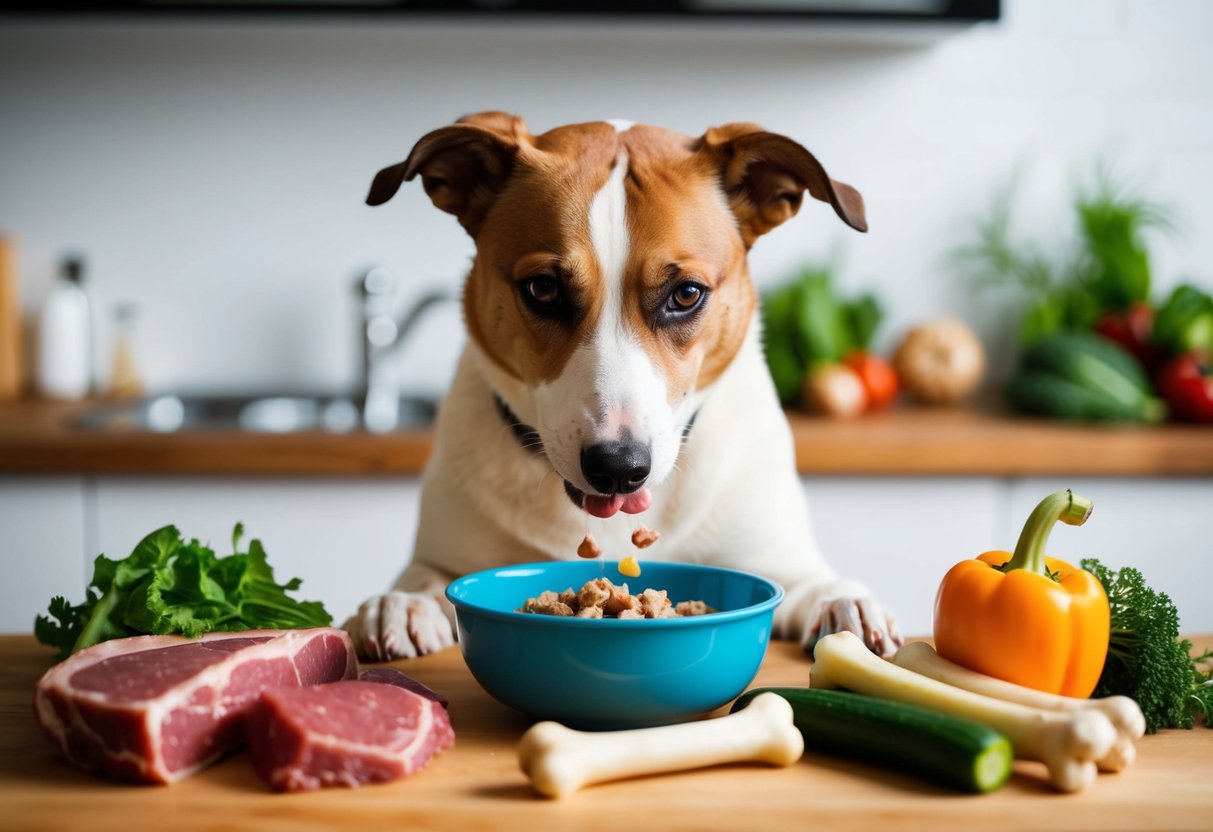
point(940, 362)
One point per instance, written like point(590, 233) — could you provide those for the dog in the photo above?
point(613, 367)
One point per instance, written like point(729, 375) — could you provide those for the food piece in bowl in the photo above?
point(599, 598)
point(684, 608)
point(595, 593)
point(656, 604)
point(552, 603)
point(589, 548)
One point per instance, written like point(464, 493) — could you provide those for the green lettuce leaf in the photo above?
point(167, 585)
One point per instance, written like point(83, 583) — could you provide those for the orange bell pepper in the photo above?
point(1026, 618)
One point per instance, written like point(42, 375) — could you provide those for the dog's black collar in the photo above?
point(529, 438)
point(526, 435)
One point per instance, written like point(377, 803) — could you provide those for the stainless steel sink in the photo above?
point(287, 413)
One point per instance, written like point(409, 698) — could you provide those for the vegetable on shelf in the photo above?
point(1146, 659)
point(1124, 714)
point(834, 390)
point(1070, 744)
point(958, 753)
point(1026, 618)
point(167, 585)
point(1133, 329)
point(877, 375)
point(1104, 269)
point(1186, 382)
point(1083, 376)
point(940, 362)
point(806, 325)
point(1184, 321)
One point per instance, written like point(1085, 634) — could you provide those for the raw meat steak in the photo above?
point(391, 676)
point(159, 708)
point(344, 734)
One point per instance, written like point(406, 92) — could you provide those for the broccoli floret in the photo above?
point(1146, 659)
point(1200, 698)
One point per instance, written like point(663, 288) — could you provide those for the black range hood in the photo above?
point(888, 11)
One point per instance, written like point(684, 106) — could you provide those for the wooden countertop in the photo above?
point(477, 784)
point(39, 438)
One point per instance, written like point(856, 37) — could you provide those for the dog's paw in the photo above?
point(399, 625)
point(862, 616)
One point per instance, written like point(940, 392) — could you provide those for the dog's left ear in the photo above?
point(765, 176)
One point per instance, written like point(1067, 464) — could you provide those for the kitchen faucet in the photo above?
point(382, 332)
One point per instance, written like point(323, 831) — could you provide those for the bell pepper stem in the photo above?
point(1065, 506)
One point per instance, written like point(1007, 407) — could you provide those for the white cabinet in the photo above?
point(42, 531)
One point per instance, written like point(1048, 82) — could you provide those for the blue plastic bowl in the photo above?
point(608, 673)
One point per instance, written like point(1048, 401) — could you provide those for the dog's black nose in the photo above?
point(616, 467)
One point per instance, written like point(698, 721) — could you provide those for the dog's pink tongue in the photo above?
point(633, 503)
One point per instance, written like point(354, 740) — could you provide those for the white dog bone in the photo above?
point(1124, 714)
point(1069, 743)
point(559, 760)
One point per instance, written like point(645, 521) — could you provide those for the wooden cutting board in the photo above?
point(477, 784)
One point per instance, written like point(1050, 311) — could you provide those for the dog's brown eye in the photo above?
point(543, 290)
point(685, 297)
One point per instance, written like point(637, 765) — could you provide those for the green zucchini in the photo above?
point(1083, 376)
point(955, 752)
point(1091, 359)
point(1045, 394)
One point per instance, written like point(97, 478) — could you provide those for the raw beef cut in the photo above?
point(344, 734)
point(391, 676)
point(159, 708)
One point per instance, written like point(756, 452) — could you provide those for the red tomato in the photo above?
point(878, 377)
point(1187, 385)
point(1133, 329)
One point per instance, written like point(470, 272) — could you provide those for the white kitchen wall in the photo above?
point(214, 172)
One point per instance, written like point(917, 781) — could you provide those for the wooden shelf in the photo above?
point(39, 438)
point(982, 441)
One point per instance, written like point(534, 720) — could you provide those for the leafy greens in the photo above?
point(1146, 660)
point(167, 585)
point(1105, 266)
point(805, 323)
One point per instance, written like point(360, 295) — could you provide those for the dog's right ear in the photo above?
point(463, 167)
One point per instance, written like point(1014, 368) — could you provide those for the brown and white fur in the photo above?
point(610, 305)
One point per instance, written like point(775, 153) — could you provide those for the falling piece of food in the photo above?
point(589, 547)
point(629, 567)
point(644, 537)
point(559, 760)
